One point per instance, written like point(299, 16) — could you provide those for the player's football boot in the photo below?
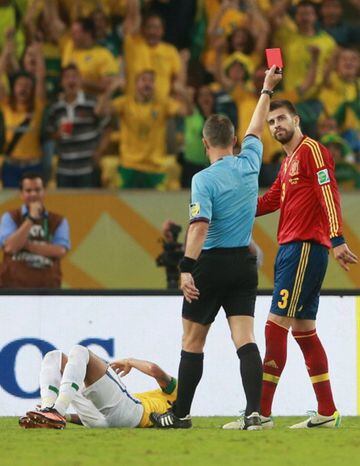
point(26, 423)
point(48, 417)
point(168, 420)
point(266, 423)
point(319, 421)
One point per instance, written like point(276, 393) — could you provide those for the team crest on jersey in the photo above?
point(294, 169)
point(194, 209)
point(323, 176)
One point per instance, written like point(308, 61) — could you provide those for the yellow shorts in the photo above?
point(154, 401)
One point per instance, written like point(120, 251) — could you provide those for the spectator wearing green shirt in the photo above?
point(194, 158)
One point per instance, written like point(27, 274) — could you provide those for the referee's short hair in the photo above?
point(219, 131)
point(282, 103)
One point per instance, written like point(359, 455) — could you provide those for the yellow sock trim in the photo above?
point(270, 378)
point(320, 378)
point(304, 336)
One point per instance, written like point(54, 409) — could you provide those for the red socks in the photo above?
point(317, 366)
point(274, 363)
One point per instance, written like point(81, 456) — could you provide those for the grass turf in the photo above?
point(205, 444)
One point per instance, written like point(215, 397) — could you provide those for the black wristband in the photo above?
point(337, 241)
point(268, 92)
point(187, 264)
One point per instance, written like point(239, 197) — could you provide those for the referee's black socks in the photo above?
point(251, 373)
point(190, 373)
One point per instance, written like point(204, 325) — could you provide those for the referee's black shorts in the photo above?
point(225, 277)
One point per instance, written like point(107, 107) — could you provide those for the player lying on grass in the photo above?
point(96, 391)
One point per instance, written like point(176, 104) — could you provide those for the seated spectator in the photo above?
point(145, 49)
point(22, 112)
point(79, 133)
point(346, 172)
point(193, 157)
point(332, 21)
point(295, 48)
point(342, 84)
point(143, 131)
point(95, 63)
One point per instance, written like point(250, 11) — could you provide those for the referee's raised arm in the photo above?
point(258, 118)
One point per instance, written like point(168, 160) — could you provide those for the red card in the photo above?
point(273, 57)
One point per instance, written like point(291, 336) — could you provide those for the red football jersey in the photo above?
point(307, 195)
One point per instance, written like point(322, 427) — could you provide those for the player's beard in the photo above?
point(285, 136)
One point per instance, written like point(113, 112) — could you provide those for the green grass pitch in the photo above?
point(204, 445)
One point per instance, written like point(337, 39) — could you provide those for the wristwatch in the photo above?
point(268, 92)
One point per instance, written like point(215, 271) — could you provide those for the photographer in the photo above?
point(34, 240)
point(173, 252)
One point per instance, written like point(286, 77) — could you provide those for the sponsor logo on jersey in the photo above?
point(323, 176)
point(194, 209)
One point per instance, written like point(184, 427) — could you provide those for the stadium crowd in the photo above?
point(115, 92)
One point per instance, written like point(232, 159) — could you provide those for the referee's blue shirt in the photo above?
point(225, 194)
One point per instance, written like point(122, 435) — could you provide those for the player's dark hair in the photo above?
point(31, 176)
point(219, 131)
point(275, 104)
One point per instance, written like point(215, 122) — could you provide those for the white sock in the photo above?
point(73, 377)
point(50, 378)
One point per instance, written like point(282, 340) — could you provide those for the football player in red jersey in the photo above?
point(310, 223)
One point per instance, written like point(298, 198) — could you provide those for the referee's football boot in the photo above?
point(168, 420)
point(266, 423)
point(48, 418)
point(318, 421)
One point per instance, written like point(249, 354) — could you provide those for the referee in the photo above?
point(218, 269)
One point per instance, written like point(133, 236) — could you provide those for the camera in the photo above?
point(172, 253)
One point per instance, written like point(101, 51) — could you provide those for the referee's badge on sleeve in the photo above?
point(194, 210)
point(323, 176)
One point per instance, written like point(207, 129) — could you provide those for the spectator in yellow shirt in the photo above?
point(143, 130)
point(79, 8)
point(42, 22)
point(245, 32)
point(145, 49)
point(342, 84)
point(22, 112)
point(295, 46)
point(95, 63)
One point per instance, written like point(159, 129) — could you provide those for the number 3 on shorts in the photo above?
point(284, 299)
